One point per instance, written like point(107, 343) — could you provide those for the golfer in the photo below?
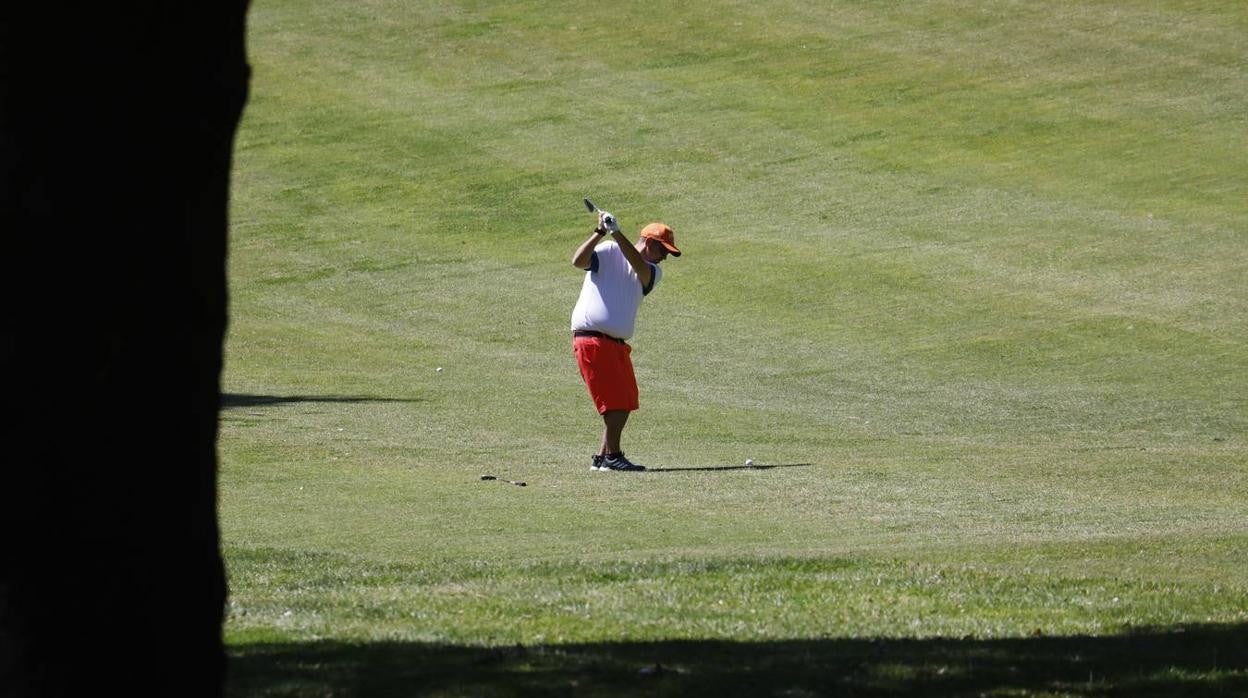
point(618, 275)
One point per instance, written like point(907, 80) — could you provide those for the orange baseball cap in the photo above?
point(664, 235)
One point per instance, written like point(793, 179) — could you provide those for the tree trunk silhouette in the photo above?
point(117, 123)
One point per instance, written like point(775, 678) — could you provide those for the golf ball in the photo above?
point(749, 461)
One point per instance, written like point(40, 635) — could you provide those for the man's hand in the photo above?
point(607, 223)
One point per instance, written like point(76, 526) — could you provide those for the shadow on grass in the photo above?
point(232, 400)
point(1205, 660)
point(731, 467)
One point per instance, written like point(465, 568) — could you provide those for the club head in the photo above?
point(589, 205)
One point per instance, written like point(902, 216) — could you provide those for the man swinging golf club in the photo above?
point(618, 274)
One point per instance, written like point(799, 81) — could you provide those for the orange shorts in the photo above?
point(607, 368)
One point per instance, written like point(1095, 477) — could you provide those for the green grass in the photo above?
point(973, 273)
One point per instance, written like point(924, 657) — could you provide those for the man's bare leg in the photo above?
point(613, 426)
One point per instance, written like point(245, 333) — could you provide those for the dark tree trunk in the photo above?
point(117, 124)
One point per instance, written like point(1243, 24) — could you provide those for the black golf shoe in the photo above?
point(619, 463)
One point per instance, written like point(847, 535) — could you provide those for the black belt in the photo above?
point(592, 333)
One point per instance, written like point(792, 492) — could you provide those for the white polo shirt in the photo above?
point(611, 293)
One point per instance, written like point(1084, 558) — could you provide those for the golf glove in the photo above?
point(607, 222)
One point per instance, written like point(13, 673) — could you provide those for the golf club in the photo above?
point(503, 479)
point(607, 219)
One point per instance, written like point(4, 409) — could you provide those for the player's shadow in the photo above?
point(766, 466)
point(236, 400)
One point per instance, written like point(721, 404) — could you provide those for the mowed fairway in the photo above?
point(969, 280)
